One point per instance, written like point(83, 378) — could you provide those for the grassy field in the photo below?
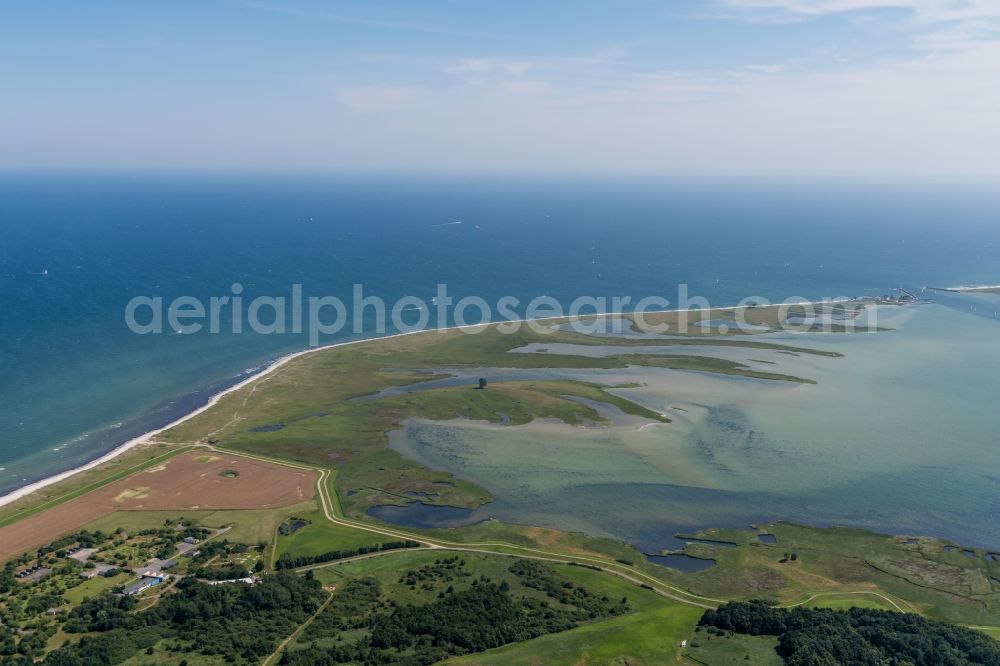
point(380, 567)
point(712, 650)
point(993, 632)
point(248, 526)
point(320, 536)
point(93, 587)
point(709, 364)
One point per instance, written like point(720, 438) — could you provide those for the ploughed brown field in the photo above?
point(190, 481)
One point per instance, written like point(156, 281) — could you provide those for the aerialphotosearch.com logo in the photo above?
point(366, 314)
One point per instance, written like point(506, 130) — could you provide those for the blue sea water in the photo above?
point(74, 249)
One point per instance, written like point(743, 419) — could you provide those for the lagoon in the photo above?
point(896, 436)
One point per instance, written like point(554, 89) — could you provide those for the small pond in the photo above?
point(423, 516)
point(682, 562)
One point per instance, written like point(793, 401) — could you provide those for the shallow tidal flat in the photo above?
point(897, 435)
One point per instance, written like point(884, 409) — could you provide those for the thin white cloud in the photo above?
point(766, 69)
point(376, 98)
point(920, 114)
point(929, 10)
point(477, 69)
point(817, 7)
point(935, 24)
point(485, 66)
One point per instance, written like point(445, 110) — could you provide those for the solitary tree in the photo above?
point(482, 383)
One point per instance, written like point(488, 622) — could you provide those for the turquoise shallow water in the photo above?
point(74, 382)
point(898, 435)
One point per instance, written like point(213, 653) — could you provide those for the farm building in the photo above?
point(143, 584)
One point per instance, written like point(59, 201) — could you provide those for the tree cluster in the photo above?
point(242, 623)
point(484, 615)
point(103, 613)
point(539, 576)
point(859, 636)
point(287, 561)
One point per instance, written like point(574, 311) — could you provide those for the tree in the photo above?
point(7, 644)
point(482, 383)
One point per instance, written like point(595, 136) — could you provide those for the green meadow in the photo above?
point(319, 536)
point(714, 650)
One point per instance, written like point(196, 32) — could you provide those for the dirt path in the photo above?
point(273, 659)
point(632, 575)
point(849, 594)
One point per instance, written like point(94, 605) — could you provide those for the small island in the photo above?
point(970, 290)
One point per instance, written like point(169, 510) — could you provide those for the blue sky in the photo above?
point(735, 85)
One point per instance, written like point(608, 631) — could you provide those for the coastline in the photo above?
point(146, 437)
point(268, 368)
point(986, 289)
